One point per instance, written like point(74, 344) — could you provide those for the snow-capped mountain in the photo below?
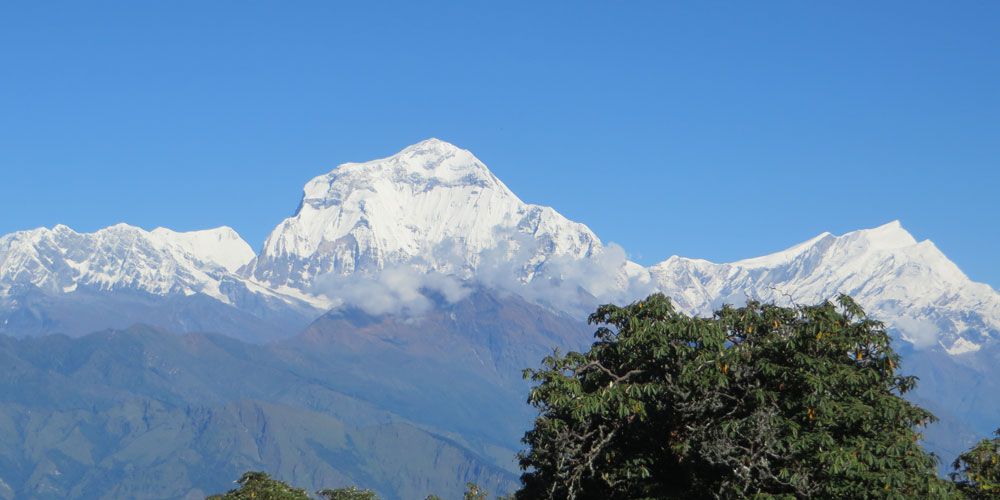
point(123, 257)
point(432, 203)
point(432, 229)
point(908, 284)
point(438, 208)
point(59, 280)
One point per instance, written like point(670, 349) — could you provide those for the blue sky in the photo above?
point(719, 130)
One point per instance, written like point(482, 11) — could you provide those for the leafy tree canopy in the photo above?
point(977, 471)
point(474, 492)
point(348, 493)
point(260, 486)
point(756, 401)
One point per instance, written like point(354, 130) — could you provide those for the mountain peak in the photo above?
point(908, 284)
point(442, 161)
point(888, 236)
point(432, 145)
point(121, 227)
point(365, 216)
point(121, 256)
point(222, 246)
point(421, 167)
point(436, 161)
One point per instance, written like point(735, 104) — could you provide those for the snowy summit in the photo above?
point(431, 202)
point(437, 208)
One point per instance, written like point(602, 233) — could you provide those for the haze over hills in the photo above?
point(420, 285)
point(143, 413)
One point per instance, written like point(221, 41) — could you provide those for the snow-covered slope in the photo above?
point(432, 203)
point(220, 246)
point(908, 284)
point(432, 220)
point(437, 207)
point(122, 257)
point(60, 281)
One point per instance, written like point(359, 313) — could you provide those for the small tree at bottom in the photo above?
point(260, 486)
point(977, 471)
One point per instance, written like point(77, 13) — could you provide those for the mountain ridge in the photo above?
point(60, 281)
point(416, 285)
point(909, 284)
point(145, 413)
point(437, 208)
point(432, 202)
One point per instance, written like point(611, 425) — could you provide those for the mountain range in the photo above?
point(410, 290)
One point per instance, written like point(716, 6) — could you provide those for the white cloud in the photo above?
point(516, 265)
point(563, 282)
point(921, 333)
point(400, 290)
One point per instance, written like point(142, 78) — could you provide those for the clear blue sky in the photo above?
point(706, 129)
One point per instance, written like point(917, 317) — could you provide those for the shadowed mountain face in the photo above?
point(404, 405)
point(143, 413)
point(458, 365)
point(492, 334)
point(407, 406)
point(30, 311)
point(962, 393)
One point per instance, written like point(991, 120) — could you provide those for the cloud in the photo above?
point(518, 264)
point(399, 290)
point(567, 283)
point(921, 333)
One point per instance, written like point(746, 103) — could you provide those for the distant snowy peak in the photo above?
point(431, 203)
point(909, 284)
point(887, 237)
point(221, 246)
point(422, 166)
point(861, 261)
point(439, 208)
point(121, 257)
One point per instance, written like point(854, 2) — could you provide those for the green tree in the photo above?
point(757, 401)
point(260, 486)
point(474, 492)
point(348, 493)
point(977, 471)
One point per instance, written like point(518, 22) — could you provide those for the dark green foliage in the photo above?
point(761, 401)
point(260, 486)
point(349, 493)
point(977, 471)
point(474, 492)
